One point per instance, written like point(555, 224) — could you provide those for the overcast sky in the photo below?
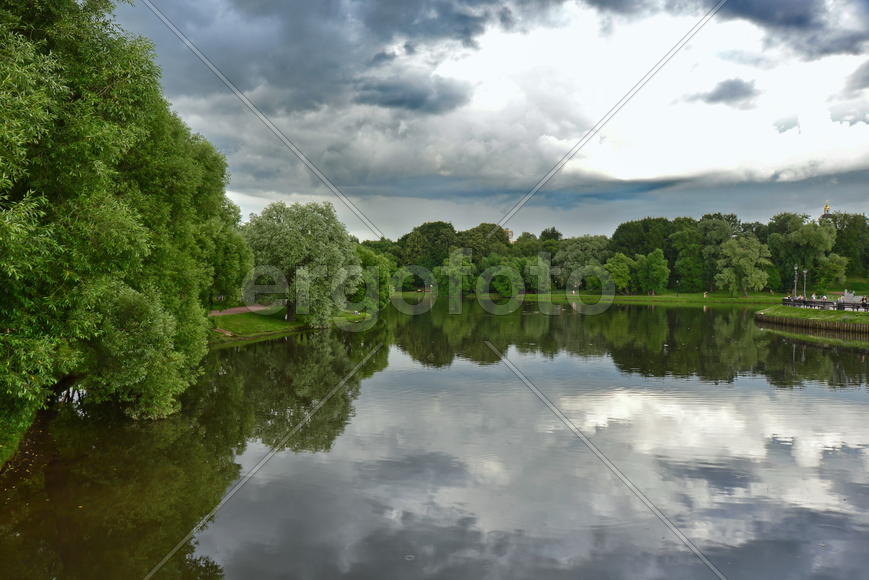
point(453, 109)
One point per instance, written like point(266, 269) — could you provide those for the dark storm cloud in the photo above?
point(428, 19)
point(730, 92)
point(620, 6)
point(314, 54)
point(437, 20)
point(303, 54)
point(421, 94)
point(383, 58)
point(800, 14)
point(804, 25)
point(767, 13)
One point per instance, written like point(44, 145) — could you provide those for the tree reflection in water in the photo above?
point(713, 344)
point(94, 494)
point(101, 496)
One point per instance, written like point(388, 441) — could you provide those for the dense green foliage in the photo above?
point(456, 273)
point(375, 288)
point(311, 249)
point(742, 266)
point(428, 245)
point(620, 268)
point(652, 272)
point(852, 240)
point(717, 252)
point(114, 227)
point(484, 240)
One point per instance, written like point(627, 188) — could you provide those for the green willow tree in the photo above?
point(796, 241)
point(457, 274)
point(114, 225)
point(742, 265)
point(576, 253)
point(311, 249)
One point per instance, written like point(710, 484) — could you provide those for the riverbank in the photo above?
point(692, 299)
point(249, 327)
point(836, 320)
point(668, 298)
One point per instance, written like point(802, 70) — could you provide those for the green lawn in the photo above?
point(812, 314)
point(262, 325)
point(250, 323)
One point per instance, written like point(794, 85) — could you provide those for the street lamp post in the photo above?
point(795, 280)
point(805, 275)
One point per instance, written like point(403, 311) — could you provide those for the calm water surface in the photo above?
point(437, 462)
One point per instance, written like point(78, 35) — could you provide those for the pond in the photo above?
point(434, 460)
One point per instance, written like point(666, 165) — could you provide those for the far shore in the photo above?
point(669, 298)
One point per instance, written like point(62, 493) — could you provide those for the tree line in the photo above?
point(717, 252)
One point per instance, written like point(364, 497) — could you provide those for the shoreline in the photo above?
point(685, 299)
point(847, 322)
point(251, 327)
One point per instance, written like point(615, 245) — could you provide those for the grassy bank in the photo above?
point(848, 328)
point(846, 317)
point(264, 325)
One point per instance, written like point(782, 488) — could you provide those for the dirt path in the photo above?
point(238, 310)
